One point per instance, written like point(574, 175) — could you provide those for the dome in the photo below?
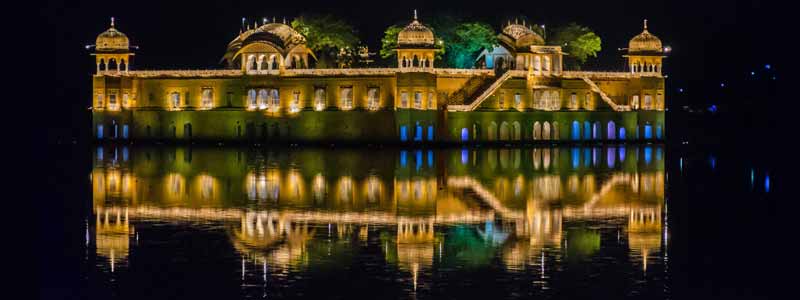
point(519, 36)
point(112, 40)
point(645, 42)
point(415, 35)
point(280, 36)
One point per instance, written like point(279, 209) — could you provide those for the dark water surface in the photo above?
point(592, 221)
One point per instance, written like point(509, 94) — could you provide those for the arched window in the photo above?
point(418, 132)
point(294, 106)
point(403, 99)
point(537, 130)
point(547, 63)
point(517, 101)
point(596, 130)
point(251, 99)
point(648, 131)
point(464, 134)
point(125, 131)
point(372, 99)
point(611, 131)
point(346, 98)
point(112, 102)
point(263, 101)
point(635, 102)
point(125, 100)
point(430, 132)
point(576, 130)
point(504, 131)
point(415, 62)
point(622, 133)
point(176, 99)
point(100, 131)
point(556, 136)
point(319, 99)
point(492, 131)
point(587, 101)
point(276, 99)
point(546, 131)
point(251, 62)
point(658, 131)
point(100, 100)
point(587, 130)
point(418, 100)
point(573, 101)
point(537, 63)
point(431, 101)
point(648, 102)
point(207, 98)
point(515, 131)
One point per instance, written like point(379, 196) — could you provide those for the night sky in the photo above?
point(713, 42)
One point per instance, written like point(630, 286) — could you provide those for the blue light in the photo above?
point(681, 164)
point(713, 162)
point(753, 73)
point(767, 66)
point(712, 108)
point(766, 183)
point(464, 156)
point(403, 160)
point(680, 90)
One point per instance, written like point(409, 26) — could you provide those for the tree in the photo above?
point(466, 42)
point(327, 36)
point(389, 41)
point(578, 41)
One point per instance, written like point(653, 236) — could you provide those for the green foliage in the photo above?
point(466, 42)
point(578, 41)
point(389, 41)
point(326, 35)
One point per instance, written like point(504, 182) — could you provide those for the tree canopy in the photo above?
point(578, 41)
point(326, 35)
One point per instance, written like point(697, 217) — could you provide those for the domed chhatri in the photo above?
point(645, 42)
point(269, 46)
point(112, 40)
point(415, 35)
point(519, 36)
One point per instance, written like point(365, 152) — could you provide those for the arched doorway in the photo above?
point(537, 131)
point(546, 131)
point(556, 135)
point(464, 134)
point(492, 131)
point(648, 131)
point(611, 131)
point(403, 133)
point(504, 131)
point(622, 133)
point(576, 130)
point(596, 130)
point(587, 130)
point(516, 131)
point(187, 131)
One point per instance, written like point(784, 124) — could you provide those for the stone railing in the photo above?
point(608, 75)
point(173, 73)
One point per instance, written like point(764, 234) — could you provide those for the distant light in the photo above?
point(753, 73)
point(773, 77)
point(712, 108)
point(667, 49)
point(680, 90)
point(722, 84)
point(766, 183)
point(713, 161)
point(767, 66)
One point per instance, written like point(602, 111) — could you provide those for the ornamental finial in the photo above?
point(415, 15)
point(645, 24)
point(112, 22)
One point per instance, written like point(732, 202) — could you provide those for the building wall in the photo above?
point(148, 112)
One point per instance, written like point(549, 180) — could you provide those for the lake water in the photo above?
point(591, 221)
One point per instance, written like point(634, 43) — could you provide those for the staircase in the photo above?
point(605, 97)
point(469, 88)
point(486, 89)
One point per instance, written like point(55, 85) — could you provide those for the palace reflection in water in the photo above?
point(534, 212)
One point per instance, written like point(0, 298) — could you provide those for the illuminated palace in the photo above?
point(518, 91)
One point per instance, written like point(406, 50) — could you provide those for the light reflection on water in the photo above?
point(526, 222)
